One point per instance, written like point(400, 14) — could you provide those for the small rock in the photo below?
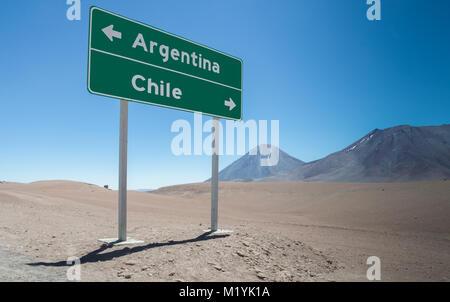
point(267, 252)
point(239, 253)
point(245, 243)
point(131, 262)
point(261, 276)
point(172, 274)
point(127, 276)
point(218, 268)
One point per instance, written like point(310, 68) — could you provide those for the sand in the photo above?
point(281, 232)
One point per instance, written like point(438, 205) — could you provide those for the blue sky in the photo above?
point(319, 67)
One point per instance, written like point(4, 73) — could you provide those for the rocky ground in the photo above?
point(287, 232)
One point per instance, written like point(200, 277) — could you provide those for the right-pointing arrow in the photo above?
point(230, 104)
point(111, 33)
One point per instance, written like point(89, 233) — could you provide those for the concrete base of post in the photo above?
point(115, 241)
point(218, 232)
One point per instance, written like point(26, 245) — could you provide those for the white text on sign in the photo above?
point(163, 89)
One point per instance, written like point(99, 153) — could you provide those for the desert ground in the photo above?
point(281, 232)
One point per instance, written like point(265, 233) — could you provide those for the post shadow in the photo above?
point(96, 256)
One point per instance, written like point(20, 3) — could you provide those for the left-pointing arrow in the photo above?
point(111, 33)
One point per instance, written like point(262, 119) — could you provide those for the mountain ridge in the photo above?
point(395, 154)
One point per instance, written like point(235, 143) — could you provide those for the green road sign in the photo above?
point(133, 61)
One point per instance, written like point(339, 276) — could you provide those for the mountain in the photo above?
point(402, 153)
point(249, 168)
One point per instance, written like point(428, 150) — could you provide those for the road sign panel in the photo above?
point(133, 61)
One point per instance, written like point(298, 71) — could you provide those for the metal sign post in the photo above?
point(215, 176)
point(215, 180)
point(123, 146)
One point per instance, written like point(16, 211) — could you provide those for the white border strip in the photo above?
point(164, 68)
